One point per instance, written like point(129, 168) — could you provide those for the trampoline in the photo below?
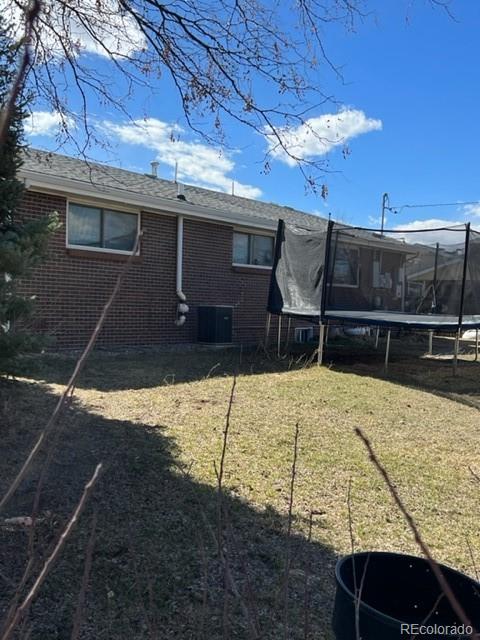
point(408, 320)
point(425, 279)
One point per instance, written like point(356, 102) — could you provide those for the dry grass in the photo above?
point(152, 415)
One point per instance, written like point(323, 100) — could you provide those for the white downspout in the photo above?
point(182, 308)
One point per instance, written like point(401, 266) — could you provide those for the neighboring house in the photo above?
point(437, 275)
point(198, 247)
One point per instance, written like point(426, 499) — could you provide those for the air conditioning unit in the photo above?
point(215, 324)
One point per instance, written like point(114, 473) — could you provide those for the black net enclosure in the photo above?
point(425, 278)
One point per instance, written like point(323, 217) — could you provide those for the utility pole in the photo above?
point(385, 206)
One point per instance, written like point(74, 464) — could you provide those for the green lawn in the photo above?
point(156, 420)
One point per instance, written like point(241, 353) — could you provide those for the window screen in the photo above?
point(346, 267)
point(103, 228)
point(262, 250)
point(240, 248)
point(119, 230)
point(252, 249)
point(84, 226)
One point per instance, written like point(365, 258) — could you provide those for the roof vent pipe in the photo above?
point(180, 191)
point(154, 165)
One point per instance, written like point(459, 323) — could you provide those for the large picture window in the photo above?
point(252, 249)
point(346, 267)
point(98, 228)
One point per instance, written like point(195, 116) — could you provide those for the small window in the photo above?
point(93, 227)
point(303, 334)
point(252, 249)
point(346, 267)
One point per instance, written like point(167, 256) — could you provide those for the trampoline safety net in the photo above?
point(421, 278)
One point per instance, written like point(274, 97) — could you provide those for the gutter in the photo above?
point(37, 181)
point(182, 307)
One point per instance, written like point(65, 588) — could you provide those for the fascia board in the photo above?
point(377, 244)
point(155, 204)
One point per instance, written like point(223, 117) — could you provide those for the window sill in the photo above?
point(251, 268)
point(346, 286)
point(101, 255)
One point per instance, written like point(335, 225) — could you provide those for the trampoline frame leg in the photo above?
point(430, 343)
point(455, 353)
point(321, 339)
point(387, 349)
point(267, 329)
point(287, 339)
point(476, 345)
point(377, 336)
point(279, 336)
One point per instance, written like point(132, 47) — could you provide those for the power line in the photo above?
point(397, 209)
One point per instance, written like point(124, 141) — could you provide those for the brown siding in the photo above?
point(71, 286)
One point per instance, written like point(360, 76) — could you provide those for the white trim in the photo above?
point(112, 205)
point(376, 242)
point(252, 266)
point(59, 185)
point(251, 235)
point(82, 247)
point(297, 332)
point(346, 286)
point(251, 231)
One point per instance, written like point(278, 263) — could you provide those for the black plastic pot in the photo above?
point(400, 590)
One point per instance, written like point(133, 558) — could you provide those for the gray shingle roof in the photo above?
point(56, 165)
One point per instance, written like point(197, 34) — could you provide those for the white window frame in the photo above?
point(297, 334)
point(349, 286)
point(110, 207)
point(248, 232)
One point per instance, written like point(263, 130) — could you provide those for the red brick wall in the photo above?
point(210, 278)
point(71, 287)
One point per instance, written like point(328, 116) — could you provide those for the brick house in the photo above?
point(198, 247)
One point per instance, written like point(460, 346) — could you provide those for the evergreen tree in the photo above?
point(22, 243)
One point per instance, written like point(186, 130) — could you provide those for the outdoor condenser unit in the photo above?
point(215, 324)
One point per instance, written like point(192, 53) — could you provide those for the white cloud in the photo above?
point(198, 163)
point(376, 221)
point(319, 212)
point(446, 236)
point(472, 210)
point(61, 28)
point(47, 123)
point(317, 136)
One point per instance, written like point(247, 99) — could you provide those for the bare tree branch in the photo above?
point(78, 617)
point(227, 59)
point(288, 554)
point(23, 608)
point(70, 388)
point(436, 570)
point(31, 15)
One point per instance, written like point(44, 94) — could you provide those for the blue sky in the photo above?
point(409, 99)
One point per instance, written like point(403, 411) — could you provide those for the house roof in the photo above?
point(47, 170)
point(41, 167)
